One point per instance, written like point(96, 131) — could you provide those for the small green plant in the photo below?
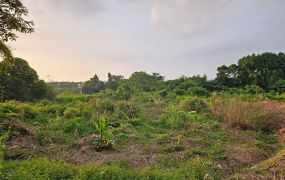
point(103, 143)
point(100, 126)
point(3, 139)
point(184, 118)
point(193, 115)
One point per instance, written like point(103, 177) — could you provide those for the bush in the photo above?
point(27, 112)
point(278, 86)
point(253, 89)
point(163, 93)
point(198, 91)
point(179, 92)
point(193, 104)
point(70, 112)
point(79, 126)
point(103, 105)
point(128, 110)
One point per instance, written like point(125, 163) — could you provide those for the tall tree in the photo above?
point(20, 82)
point(12, 13)
point(262, 70)
point(113, 81)
point(144, 81)
point(94, 85)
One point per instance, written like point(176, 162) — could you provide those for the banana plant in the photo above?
point(101, 127)
point(103, 142)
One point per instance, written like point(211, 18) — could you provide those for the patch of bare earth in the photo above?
point(82, 152)
point(240, 157)
point(20, 148)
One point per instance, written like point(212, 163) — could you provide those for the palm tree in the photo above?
point(5, 52)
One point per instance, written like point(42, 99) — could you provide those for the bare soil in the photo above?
point(82, 152)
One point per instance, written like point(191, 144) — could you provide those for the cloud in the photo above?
point(74, 7)
point(173, 37)
point(188, 13)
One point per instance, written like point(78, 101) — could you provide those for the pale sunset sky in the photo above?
point(75, 39)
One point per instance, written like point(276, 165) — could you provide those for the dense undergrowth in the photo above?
point(153, 136)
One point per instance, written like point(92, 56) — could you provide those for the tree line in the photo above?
point(264, 72)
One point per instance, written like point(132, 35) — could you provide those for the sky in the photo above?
point(75, 39)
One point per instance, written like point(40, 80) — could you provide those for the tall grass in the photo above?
point(267, 116)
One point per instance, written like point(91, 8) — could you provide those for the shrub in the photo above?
point(9, 107)
point(79, 126)
point(179, 92)
point(27, 112)
point(193, 104)
point(70, 112)
point(198, 91)
point(103, 105)
point(253, 89)
point(163, 93)
point(278, 86)
point(128, 110)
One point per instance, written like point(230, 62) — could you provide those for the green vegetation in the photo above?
point(12, 19)
point(141, 127)
point(148, 136)
point(18, 81)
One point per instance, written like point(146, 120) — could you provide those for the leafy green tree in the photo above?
point(12, 13)
point(94, 85)
point(145, 82)
point(262, 70)
point(12, 19)
point(113, 81)
point(20, 82)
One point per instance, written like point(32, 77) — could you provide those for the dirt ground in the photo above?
point(82, 152)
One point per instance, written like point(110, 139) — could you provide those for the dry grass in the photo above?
point(267, 116)
point(235, 112)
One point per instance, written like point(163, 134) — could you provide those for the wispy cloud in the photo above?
point(186, 12)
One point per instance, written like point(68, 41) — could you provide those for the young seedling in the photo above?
point(103, 143)
point(100, 126)
point(181, 118)
point(186, 118)
point(193, 115)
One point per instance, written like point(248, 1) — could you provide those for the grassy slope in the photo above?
point(55, 141)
